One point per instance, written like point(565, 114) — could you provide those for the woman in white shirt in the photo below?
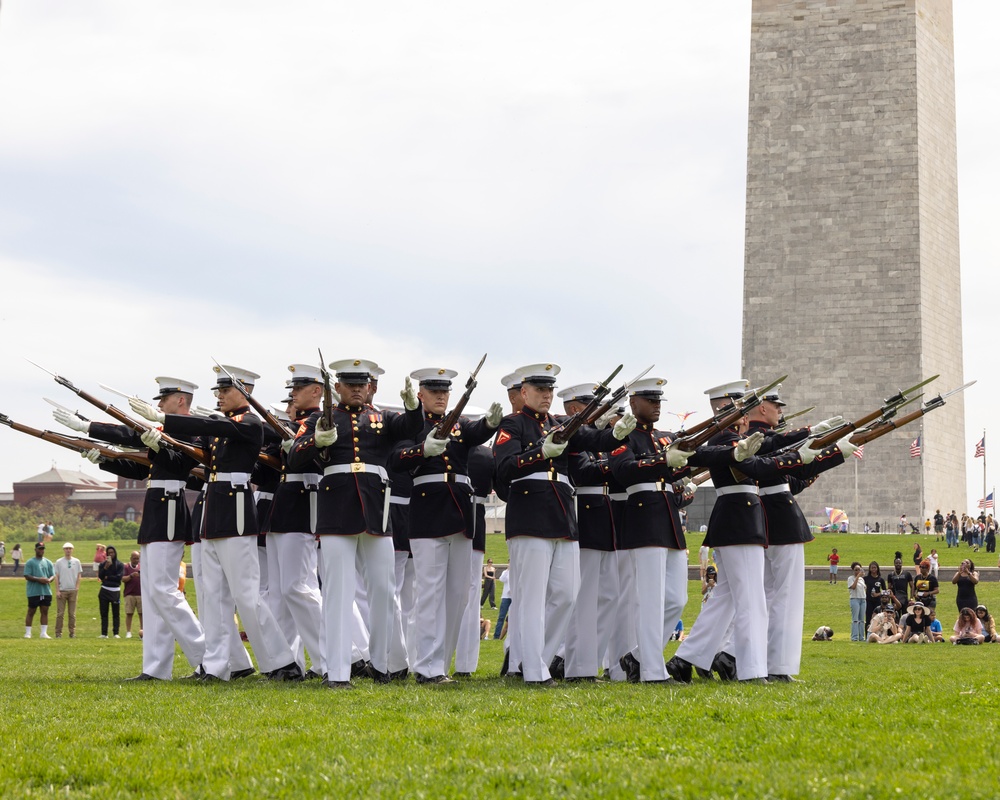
point(857, 593)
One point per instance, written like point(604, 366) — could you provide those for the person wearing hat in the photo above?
point(39, 574)
point(542, 531)
point(293, 588)
point(652, 534)
point(68, 571)
point(512, 383)
point(737, 531)
point(229, 527)
point(164, 529)
point(442, 520)
point(266, 478)
point(787, 533)
point(918, 625)
point(598, 514)
point(353, 453)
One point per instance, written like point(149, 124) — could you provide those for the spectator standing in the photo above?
point(933, 558)
point(489, 584)
point(15, 556)
point(3, 552)
point(991, 534)
point(858, 594)
point(949, 532)
point(968, 628)
point(68, 572)
point(874, 586)
point(50, 531)
point(925, 585)
point(966, 579)
point(902, 523)
point(938, 525)
point(918, 554)
point(834, 560)
point(927, 525)
point(900, 582)
point(504, 604)
point(131, 578)
point(110, 572)
point(986, 620)
point(100, 556)
point(41, 533)
point(39, 573)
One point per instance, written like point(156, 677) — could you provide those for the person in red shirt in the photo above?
point(834, 560)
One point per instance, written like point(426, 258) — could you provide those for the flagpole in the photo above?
point(923, 449)
point(984, 470)
point(857, 510)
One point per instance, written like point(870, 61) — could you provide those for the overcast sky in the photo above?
point(416, 183)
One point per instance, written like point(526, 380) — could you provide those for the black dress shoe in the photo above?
point(143, 677)
point(313, 675)
point(208, 677)
point(379, 677)
point(782, 679)
point(196, 675)
point(242, 673)
point(359, 669)
point(400, 675)
point(761, 681)
point(630, 666)
point(437, 680)
point(506, 663)
point(546, 684)
point(557, 669)
point(461, 674)
point(725, 665)
point(289, 672)
point(583, 679)
point(704, 673)
point(338, 685)
point(679, 670)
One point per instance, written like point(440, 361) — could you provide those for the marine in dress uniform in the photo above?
point(399, 523)
point(266, 478)
point(229, 528)
point(533, 470)
point(291, 539)
point(596, 605)
point(442, 521)
point(354, 454)
point(164, 530)
point(737, 531)
point(652, 531)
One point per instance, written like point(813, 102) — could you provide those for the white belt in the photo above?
point(399, 501)
point(542, 476)
point(357, 466)
point(781, 488)
point(619, 496)
point(480, 500)
point(741, 489)
point(112, 588)
point(310, 479)
point(265, 496)
point(592, 490)
point(445, 477)
point(235, 478)
point(167, 486)
point(660, 486)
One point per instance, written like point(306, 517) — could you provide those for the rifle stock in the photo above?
point(74, 443)
point(565, 432)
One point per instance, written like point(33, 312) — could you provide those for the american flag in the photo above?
point(860, 452)
point(915, 448)
point(987, 503)
point(981, 448)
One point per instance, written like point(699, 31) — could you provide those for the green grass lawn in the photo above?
point(71, 728)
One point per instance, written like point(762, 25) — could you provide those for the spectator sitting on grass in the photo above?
point(824, 633)
point(917, 625)
point(884, 629)
point(968, 628)
point(936, 631)
point(986, 620)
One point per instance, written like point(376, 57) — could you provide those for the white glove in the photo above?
point(151, 439)
point(846, 447)
point(286, 445)
point(144, 409)
point(748, 446)
point(324, 437)
point(93, 455)
point(602, 421)
point(434, 447)
point(690, 487)
point(206, 413)
point(494, 415)
point(827, 425)
point(409, 395)
point(624, 426)
point(677, 458)
point(807, 454)
point(552, 450)
point(71, 421)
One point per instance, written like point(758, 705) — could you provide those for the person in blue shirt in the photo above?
point(39, 574)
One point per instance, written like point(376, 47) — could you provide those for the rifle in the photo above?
point(77, 444)
point(194, 452)
point(882, 427)
point(725, 418)
point(266, 414)
point(565, 431)
point(888, 409)
point(784, 419)
point(443, 429)
point(327, 392)
point(618, 396)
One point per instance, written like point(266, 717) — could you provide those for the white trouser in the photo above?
point(167, 617)
point(231, 565)
point(262, 563)
point(739, 600)
point(405, 595)
point(546, 582)
point(341, 554)
point(593, 616)
point(785, 590)
point(442, 592)
point(293, 594)
point(467, 651)
point(623, 636)
point(661, 587)
point(213, 601)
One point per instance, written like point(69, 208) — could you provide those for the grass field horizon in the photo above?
point(74, 728)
